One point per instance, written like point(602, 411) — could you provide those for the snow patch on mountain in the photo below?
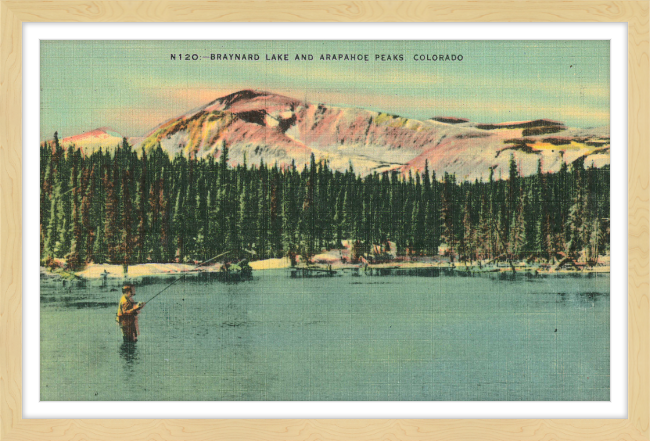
point(259, 126)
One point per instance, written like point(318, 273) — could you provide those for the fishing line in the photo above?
point(181, 277)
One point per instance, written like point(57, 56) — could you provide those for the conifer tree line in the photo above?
point(128, 207)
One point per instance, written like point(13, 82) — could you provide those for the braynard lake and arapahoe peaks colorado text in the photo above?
point(360, 57)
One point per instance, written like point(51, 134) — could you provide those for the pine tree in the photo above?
point(594, 242)
point(417, 227)
point(201, 202)
point(126, 225)
point(448, 214)
point(547, 238)
point(396, 212)
point(164, 203)
point(217, 224)
point(418, 218)
point(563, 195)
point(98, 209)
point(47, 172)
point(246, 221)
point(347, 213)
point(433, 216)
point(510, 208)
point(113, 218)
point(51, 238)
point(307, 220)
point(76, 257)
point(87, 184)
point(468, 246)
point(141, 203)
point(179, 223)
point(64, 210)
point(484, 233)
point(289, 216)
point(275, 213)
point(577, 230)
point(190, 213)
point(517, 230)
point(263, 222)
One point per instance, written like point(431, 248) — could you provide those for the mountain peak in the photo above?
point(100, 132)
point(242, 95)
point(249, 99)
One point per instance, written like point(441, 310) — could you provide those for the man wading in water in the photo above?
point(127, 314)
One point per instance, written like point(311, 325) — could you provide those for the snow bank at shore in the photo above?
point(331, 258)
point(96, 271)
point(271, 264)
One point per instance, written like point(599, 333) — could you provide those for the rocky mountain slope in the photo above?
point(263, 126)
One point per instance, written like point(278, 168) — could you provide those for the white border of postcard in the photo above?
point(34, 32)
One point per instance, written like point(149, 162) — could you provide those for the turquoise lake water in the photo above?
point(485, 337)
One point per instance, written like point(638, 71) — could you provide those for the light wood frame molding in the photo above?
point(14, 13)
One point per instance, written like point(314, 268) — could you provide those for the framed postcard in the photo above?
point(234, 222)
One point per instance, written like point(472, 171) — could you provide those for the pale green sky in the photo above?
point(132, 86)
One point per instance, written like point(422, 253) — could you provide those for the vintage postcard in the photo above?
point(325, 221)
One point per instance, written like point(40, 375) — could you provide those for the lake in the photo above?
point(482, 337)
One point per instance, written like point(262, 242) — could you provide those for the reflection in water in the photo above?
point(83, 305)
point(580, 298)
point(129, 353)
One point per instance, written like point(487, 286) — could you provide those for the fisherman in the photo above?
point(127, 314)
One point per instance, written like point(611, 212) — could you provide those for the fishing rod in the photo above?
point(200, 264)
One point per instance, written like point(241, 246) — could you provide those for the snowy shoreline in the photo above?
point(115, 273)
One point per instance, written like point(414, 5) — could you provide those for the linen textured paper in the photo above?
point(325, 220)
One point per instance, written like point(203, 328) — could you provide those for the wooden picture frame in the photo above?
point(14, 13)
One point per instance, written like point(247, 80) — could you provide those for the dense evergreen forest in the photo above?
point(124, 207)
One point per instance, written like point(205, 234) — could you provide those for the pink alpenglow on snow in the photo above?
point(259, 126)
